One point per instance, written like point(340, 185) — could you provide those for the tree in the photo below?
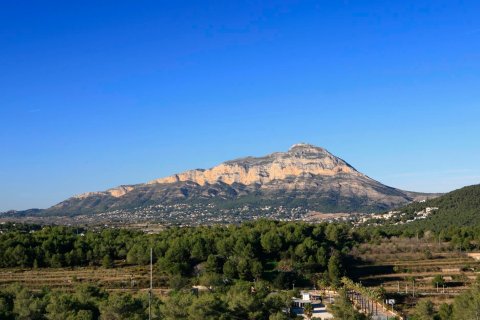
point(284, 280)
point(6, 306)
point(467, 305)
point(335, 267)
point(336, 233)
point(321, 257)
point(84, 315)
point(199, 252)
point(424, 310)
point(207, 307)
point(138, 255)
point(256, 269)
point(177, 282)
point(271, 241)
point(27, 306)
point(107, 261)
point(308, 310)
point(213, 264)
point(438, 281)
point(278, 316)
point(245, 305)
point(277, 302)
point(61, 306)
point(211, 279)
point(243, 269)
point(230, 269)
point(445, 312)
point(343, 308)
point(176, 306)
point(120, 306)
point(173, 267)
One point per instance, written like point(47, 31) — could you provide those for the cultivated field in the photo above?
point(125, 278)
point(406, 268)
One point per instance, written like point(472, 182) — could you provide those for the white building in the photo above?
point(313, 297)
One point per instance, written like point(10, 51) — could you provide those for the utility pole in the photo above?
point(151, 286)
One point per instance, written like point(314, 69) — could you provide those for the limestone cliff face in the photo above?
point(300, 160)
point(114, 192)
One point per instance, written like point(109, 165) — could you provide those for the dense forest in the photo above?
point(246, 252)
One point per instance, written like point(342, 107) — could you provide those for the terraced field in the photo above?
point(125, 278)
point(405, 268)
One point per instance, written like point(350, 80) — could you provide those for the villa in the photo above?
point(316, 298)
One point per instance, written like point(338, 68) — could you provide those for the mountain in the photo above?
point(282, 185)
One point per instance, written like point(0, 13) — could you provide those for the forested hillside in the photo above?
point(460, 208)
point(455, 212)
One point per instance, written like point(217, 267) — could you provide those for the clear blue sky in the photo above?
point(94, 94)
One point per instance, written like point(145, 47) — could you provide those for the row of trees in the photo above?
point(344, 309)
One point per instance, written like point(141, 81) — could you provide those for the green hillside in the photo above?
point(459, 208)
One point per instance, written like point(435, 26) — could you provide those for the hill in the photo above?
point(459, 208)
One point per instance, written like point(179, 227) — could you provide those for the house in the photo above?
point(313, 297)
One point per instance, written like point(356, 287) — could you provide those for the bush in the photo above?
point(438, 280)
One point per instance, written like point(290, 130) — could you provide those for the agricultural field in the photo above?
point(410, 270)
point(120, 278)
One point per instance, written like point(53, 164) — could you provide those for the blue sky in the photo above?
point(94, 94)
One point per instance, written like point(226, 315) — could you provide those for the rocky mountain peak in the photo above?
point(305, 150)
point(305, 147)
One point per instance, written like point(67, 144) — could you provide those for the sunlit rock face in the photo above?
point(305, 175)
point(300, 160)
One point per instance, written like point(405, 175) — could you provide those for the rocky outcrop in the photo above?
point(114, 192)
